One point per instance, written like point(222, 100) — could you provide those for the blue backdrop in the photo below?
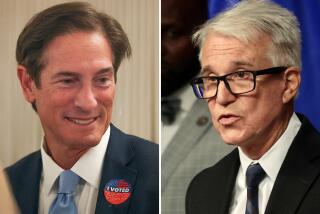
point(308, 101)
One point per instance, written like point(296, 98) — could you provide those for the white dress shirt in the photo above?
point(88, 167)
point(271, 162)
point(168, 131)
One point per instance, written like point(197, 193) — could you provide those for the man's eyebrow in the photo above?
point(241, 63)
point(206, 70)
point(66, 73)
point(105, 70)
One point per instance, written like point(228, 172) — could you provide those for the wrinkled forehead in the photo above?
point(220, 51)
point(252, 37)
point(215, 43)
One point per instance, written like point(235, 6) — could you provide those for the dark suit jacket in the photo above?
point(296, 189)
point(127, 157)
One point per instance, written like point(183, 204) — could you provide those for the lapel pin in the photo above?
point(202, 120)
point(117, 191)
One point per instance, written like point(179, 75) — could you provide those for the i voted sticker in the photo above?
point(117, 191)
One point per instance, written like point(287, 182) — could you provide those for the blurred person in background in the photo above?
point(7, 202)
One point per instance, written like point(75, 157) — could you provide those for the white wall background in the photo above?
point(136, 107)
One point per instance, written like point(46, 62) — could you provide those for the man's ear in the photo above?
point(27, 84)
point(292, 82)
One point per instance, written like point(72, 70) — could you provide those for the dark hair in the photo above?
point(64, 19)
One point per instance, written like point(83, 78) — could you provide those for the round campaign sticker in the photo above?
point(117, 191)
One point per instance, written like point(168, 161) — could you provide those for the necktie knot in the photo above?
point(68, 182)
point(64, 202)
point(254, 175)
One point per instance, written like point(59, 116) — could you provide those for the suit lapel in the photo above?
point(185, 139)
point(118, 156)
point(34, 189)
point(26, 186)
point(297, 172)
point(225, 189)
point(211, 191)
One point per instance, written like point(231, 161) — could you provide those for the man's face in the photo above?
point(179, 61)
point(74, 100)
point(250, 118)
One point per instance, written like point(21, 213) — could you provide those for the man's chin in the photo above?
point(232, 138)
point(85, 142)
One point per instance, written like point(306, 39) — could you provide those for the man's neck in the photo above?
point(64, 156)
point(255, 150)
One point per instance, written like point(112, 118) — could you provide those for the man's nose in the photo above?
point(86, 98)
point(224, 95)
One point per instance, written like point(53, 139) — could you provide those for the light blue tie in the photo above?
point(64, 202)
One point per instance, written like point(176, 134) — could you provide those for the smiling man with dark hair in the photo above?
point(68, 57)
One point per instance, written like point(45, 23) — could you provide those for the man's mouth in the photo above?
point(82, 121)
point(228, 119)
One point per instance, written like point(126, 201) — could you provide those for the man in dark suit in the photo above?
point(68, 56)
point(250, 58)
point(188, 142)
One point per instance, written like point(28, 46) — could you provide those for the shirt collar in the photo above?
point(272, 160)
point(92, 159)
point(51, 170)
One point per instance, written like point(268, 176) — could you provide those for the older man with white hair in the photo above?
point(250, 59)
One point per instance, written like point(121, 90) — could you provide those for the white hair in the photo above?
point(248, 20)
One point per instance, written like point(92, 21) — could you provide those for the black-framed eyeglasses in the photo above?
point(239, 82)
